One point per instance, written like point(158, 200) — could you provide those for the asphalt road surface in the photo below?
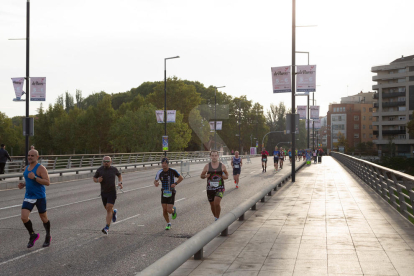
point(135, 241)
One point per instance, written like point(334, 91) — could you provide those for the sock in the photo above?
point(107, 226)
point(29, 227)
point(169, 223)
point(47, 227)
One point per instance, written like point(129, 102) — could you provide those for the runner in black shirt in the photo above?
point(106, 176)
point(167, 177)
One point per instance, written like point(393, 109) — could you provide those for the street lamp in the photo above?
point(215, 115)
point(165, 96)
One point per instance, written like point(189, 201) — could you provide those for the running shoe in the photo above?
point(174, 215)
point(215, 219)
point(168, 227)
point(47, 241)
point(105, 230)
point(237, 186)
point(114, 215)
point(32, 240)
point(235, 182)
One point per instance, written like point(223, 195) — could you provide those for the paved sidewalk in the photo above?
point(326, 223)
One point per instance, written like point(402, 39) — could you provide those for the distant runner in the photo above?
point(167, 177)
point(265, 154)
point(106, 176)
point(216, 173)
point(276, 155)
point(37, 178)
point(282, 157)
point(236, 163)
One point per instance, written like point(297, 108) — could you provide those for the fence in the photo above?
point(394, 186)
point(194, 246)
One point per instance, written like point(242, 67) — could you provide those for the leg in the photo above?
point(25, 215)
point(109, 212)
point(213, 209)
point(217, 207)
point(165, 212)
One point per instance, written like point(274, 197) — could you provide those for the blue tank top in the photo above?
point(34, 190)
point(236, 161)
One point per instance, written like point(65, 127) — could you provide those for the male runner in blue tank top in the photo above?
point(276, 155)
point(216, 173)
point(36, 178)
point(236, 163)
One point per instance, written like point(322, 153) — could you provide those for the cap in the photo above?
point(165, 159)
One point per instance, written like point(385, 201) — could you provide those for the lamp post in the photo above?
point(293, 121)
point(215, 115)
point(165, 96)
point(307, 94)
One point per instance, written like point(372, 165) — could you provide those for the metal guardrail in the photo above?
point(394, 186)
point(77, 164)
point(194, 246)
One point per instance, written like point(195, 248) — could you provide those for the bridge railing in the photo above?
point(394, 186)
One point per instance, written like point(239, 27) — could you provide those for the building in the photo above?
point(395, 96)
point(362, 97)
point(353, 120)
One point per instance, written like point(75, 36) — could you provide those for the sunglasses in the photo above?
point(107, 161)
point(31, 155)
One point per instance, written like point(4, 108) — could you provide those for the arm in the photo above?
point(226, 174)
point(97, 178)
point(8, 156)
point(44, 176)
point(120, 181)
point(241, 161)
point(204, 174)
point(180, 178)
point(157, 179)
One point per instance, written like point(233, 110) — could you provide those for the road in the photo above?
point(135, 241)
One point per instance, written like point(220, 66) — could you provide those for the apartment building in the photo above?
point(395, 104)
point(353, 120)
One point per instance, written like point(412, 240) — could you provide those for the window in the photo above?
point(356, 126)
point(390, 118)
point(401, 80)
point(370, 136)
point(401, 118)
point(339, 118)
point(401, 99)
point(363, 118)
point(356, 118)
point(370, 118)
point(401, 108)
point(343, 109)
point(401, 136)
point(364, 109)
point(356, 135)
point(334, 109)
point(363, 126)
point(334, 118)
point(370, 126)
point(370, 110)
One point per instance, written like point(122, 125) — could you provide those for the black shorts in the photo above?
point(40, 205)
point(168, 200)
point(108, 198)
point(211, 194)
point(275, 160)
point(236, 171)
point(264, 160)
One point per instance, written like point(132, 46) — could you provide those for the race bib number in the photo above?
point(264, 159)
point(214, 183)
point(236, 166)
point(167, 194)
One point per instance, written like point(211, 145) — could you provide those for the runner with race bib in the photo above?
point(236, 163)
point(265, 154)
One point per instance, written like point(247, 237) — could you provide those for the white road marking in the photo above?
point(72, 202)
point(180, 199)
point(14, 259)
point(252, 172)
point(8, 207)
point(204, 191)
point(126, 219)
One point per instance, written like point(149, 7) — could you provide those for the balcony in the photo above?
point(392, 95)
point(376, 96)
point(391, 104)
point(394, 132)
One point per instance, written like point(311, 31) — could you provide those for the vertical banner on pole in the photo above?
point(219, 125)
point(164, 143)
point(38, 89)
point(257, 143)
point(318, 123)
point(314, 112)
point(160, 116)
point(171, 114)
point(281, 79)
point(302, 111)
point(18, 87)
point(211, 125)
point(306, 78)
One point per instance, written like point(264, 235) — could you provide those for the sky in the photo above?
point(114, 46)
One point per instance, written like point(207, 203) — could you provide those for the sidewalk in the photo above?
point(326, 223)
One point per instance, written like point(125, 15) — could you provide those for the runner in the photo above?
point(36, 178)
point(106, 176)
point(236, 163)
point(265, 154)
point(216, 173)
point(276, 154)
point(285, 154)
point(304, 155)
point(167, 177)
point(290, 155)
point(282, 157)
point(296, 155)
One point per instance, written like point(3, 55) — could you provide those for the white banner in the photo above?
point(171, 116)
point(302, 111)
point(310, 124)
point(160, 116)
point(219, 125)
point(317, 123)
point(18, 87)
point(38, 89)
point(211, 125)
point(306, 78)
point(314, 112)
point(281, 79)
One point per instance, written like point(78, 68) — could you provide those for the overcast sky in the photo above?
point(113, 46)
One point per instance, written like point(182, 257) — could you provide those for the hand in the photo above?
point(173, 185)
point(207, 175)
point(120, 185)
point(156, 183)
point(100, 179)
point(31, 175)
point(21, 185)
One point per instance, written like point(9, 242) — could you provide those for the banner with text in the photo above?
point(306, 78)
point(314, 112)
point(302, 111)
point(171, 115)
point(281, 79)
point(38, 89)
point(317, 123)
point(18, 87)
point(219, 125)
point(211, 125)
point(160, 116)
